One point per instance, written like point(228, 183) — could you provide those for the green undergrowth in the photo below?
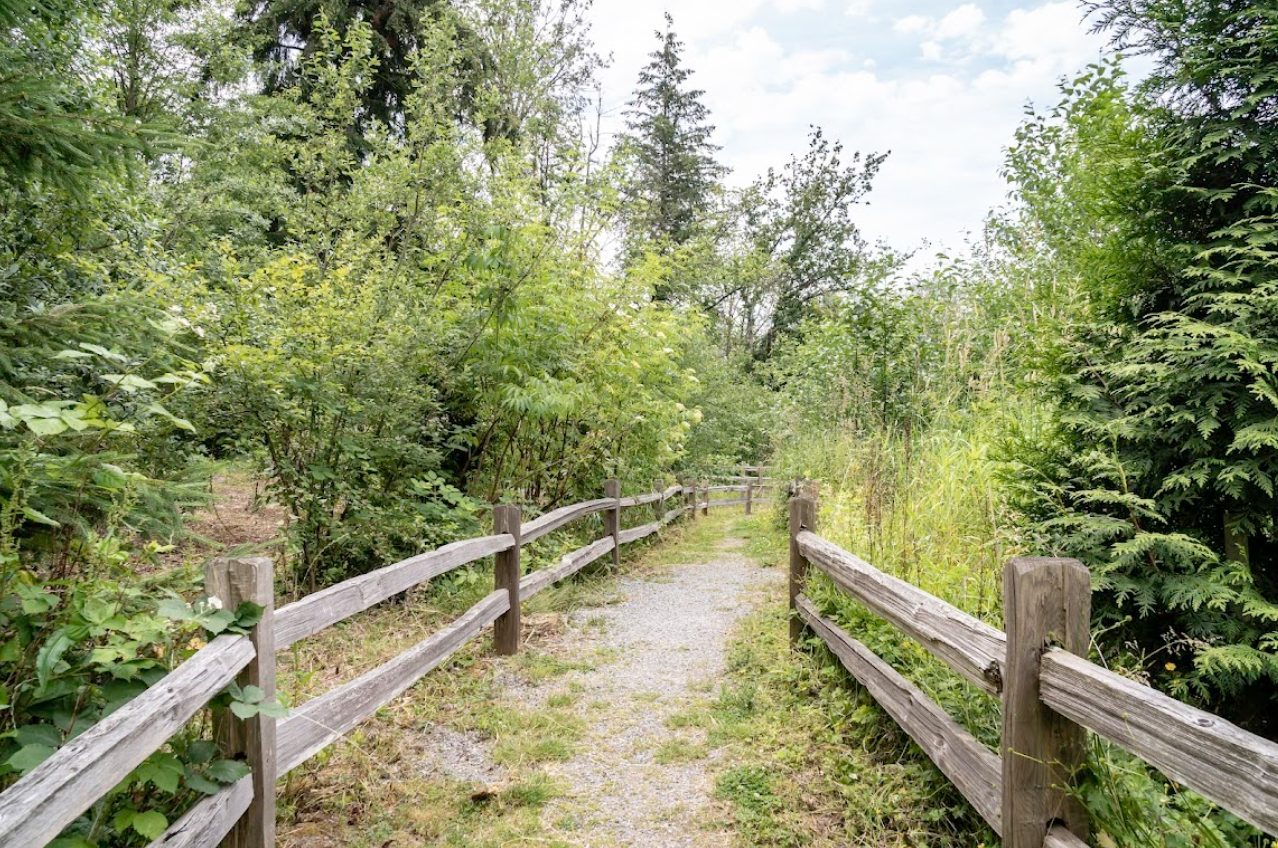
point(929, 509)
point(807, 759)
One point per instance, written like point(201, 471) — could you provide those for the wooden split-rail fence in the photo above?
point(1050, 693)
point(35, 809)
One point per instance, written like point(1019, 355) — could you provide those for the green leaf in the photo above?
point(47, 426)
point(201, 751)
point(227, 771)
point(30, 756)
point(150, 824)
point(33, 514)
point(103, 352)
point(39, 734)
point(128, 383)
point(175, 609)
point(50, 655)
point(243, 710)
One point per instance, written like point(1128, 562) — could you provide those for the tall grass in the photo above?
point(928, 507)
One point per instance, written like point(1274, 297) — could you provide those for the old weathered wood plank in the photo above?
point(1059, 837)
point(506, 574)
point(1046, 601)
point(640, 500)
point(970, 646)
point(673, 514)
point(724, 489)
point(568, 566)
point(733, 502)
point(555, 519)
point(969, 765)
point(234, 582)
point(315, 612)
point(1215, 758)
point(205, 824)
point(669, 493)
point(803, 517)
point(36, 808)
point(636, 533)
point(320, 721)
point(612, 519)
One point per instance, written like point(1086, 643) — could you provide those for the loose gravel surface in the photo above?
point(669, 635)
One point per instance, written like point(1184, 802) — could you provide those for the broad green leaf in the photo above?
point(150, 824)
point(30, 756)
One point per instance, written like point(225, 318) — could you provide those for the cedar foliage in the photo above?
point(1164, 477)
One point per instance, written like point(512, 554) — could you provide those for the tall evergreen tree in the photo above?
point(669, 139)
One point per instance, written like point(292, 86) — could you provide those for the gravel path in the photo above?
point(669, 635)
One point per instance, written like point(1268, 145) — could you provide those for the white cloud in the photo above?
point(860, 9)
point(912, 24)
point(963, 22)
point(946, 118)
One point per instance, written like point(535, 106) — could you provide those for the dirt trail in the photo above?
point(635, 780)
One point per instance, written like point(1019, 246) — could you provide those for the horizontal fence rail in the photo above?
point(325, 608)
point(42, 804)
point(36, 808)
point(1050, 695)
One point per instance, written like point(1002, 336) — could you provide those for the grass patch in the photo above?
point(679, 750)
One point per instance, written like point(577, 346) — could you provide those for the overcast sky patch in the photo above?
point(942, 85)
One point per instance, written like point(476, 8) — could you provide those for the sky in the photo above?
point(941, 84)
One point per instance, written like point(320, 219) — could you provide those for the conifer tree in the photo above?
point(673, 157)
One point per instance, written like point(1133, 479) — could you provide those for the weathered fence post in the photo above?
point(749, 505)
point(689, 498)
point(506, 574)
point(705, 505)
point(659, 505)
point(803, 514)
point(612, 519)
point(1046, 602)
point(234, 582)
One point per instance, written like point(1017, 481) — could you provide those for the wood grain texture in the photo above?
point(612, 519)
point(674, 490)
point(970, 646)
point(969, 765)
point(1046, 601)
point(323, 609)
point(673, 514)
point(552, 521)
point(1217, 759)
point(634, 534)
point(640, 500)
point(1059, 837)
point(237, 581)
point(533, 583)
point(36, 808)
point(803, 517)
point(709, 489)
point(205, 824)
point(506, 575)
point(321, 721)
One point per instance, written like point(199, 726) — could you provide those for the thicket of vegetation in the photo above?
point(380, 253)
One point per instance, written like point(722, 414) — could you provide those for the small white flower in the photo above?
point(215, 603)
